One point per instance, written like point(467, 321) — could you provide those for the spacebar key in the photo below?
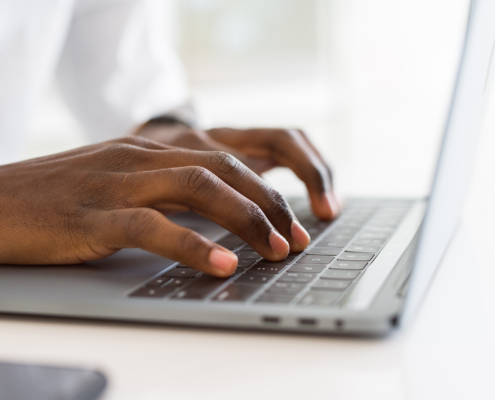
point(200, 287)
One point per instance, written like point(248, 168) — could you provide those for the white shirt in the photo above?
point(108, 56)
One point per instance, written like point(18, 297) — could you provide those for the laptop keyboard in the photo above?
point(323, 275)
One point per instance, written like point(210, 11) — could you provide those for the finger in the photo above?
point(195, 139)
point(336, 199)
point(149, 230)
point(289, 149)
point(237, 176)
point(199, 190)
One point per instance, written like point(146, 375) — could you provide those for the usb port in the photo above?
point(271, 320)
point(308, 321)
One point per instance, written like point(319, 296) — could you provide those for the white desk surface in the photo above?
point(447, 353)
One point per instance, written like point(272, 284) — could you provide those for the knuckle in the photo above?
point(319, 178)
point(278, 207)
point(188, 138)
point(224, 162)
point(119, 150)
point(196, 179)
point(123, 156)
point(191, 134)
point(285, 134)
point(139, 224)
point(281, 138)
point(133, 140)
point(254, 219)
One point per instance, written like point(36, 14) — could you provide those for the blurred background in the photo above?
point(368, 81)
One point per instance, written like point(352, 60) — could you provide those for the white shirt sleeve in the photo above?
point(31, 37)
point(116, 69)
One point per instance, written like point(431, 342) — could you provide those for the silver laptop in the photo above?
point(364, 273)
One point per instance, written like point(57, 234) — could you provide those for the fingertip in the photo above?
point(327, 207)
point(300, 236)
point(321, 206)
point(224, 262)
point(279, 245)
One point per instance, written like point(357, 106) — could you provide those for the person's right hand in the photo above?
point(89, 203)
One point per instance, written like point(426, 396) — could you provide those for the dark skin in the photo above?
point(89, 203)
point(261, 150)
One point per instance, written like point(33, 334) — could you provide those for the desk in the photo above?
point(447, 353)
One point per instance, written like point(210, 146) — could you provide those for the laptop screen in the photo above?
point(458, 150)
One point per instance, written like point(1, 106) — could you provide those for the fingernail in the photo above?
point(279, 245)
point(300, 235)
point(223, 260)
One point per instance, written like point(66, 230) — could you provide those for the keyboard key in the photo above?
point(338, 236)
point(362, 249)
point(247, 255)
point(265, 269)
point(177, 282)
point(181, 272)
point(236, 292)
point(313, 232)
point(322, 251)
point(283, 262)
point(254, 278)
point(200, 288)
point(354, 224)
point(158, 281)
point(373, 235)
point(379, 229)
point(285, 287)
point(315, 260)
point(333, 243)
point(245, 263)
point(339, 274)
point(369, 242)
point(156, 293)
point(320, 298)
point(355, 256)
point(307, 268)
point(343, 230)
point(348, 265)
point(296, 277)
point(330, 284)
point(230, 241)
point(313, 222)
point(275, 298)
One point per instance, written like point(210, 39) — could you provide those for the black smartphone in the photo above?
point(40, 382)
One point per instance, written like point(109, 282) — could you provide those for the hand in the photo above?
point(261, 150)
point(89, 203)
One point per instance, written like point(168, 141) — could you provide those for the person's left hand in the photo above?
point(261, 150)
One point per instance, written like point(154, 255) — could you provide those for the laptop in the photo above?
point(363, 274)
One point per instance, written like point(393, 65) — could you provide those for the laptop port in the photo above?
point(308, 321)
point(339, 324)
point(270, 320)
